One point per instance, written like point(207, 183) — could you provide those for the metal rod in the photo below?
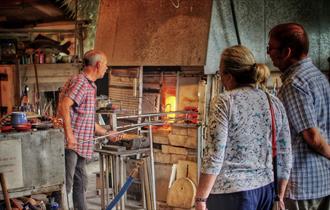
point(143, 190)
point(111, 134)
point(107, 178)
point(147, 183)
point(122, 131)
point(114, 121)
point(102, 181)
point(199, 150)
point(36, 30)
point(122, 180)
point(140, 95)
point(161, 82)
point(158, 122)
point(118, 183)
point(177, 92)
point(156, 114)
point(142, 124)
point(153, 187)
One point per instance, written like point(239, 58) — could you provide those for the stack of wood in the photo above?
point(176, 166)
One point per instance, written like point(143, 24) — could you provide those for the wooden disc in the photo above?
point(182, 193)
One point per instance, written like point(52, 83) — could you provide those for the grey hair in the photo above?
point(92, 57)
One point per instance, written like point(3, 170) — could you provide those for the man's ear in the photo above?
point(98, 64)
point(286, 53)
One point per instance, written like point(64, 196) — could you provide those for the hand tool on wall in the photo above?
point(37, 85)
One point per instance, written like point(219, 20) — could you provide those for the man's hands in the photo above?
point(71, 142)
point(315, 140)
point(114, 136)
point(282, 206)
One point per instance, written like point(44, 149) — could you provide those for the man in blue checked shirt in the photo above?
point(305, 94)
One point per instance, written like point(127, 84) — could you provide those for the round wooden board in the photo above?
point(182, 193)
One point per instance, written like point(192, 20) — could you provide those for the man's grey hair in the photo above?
point(92, 57)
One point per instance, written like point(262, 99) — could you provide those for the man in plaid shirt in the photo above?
point(306, 96)
point(77, 108)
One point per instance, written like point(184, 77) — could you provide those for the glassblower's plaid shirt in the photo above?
point(306, 96)
point(83, 92)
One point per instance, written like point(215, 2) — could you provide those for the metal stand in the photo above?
point(112, 159)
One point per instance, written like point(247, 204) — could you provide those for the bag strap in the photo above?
point(274, 148)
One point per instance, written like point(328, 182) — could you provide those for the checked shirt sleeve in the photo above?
point(76, 91)
point(299, 107)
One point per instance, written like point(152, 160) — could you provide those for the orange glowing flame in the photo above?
point(170, 105)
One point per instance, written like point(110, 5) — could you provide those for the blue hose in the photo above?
point(122, 191)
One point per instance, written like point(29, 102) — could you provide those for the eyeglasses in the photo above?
point(218, 74)
point(272, 48)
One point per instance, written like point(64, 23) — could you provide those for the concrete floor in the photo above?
point(93, 200)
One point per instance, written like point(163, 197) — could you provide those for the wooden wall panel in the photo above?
point(50, 76)
point(158, 32)
point(121, 89)
point(7, 87)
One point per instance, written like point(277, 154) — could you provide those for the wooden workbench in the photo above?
point(33, 162)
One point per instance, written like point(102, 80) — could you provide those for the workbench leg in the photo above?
point(143, 189)
point(107, 178)
point(122, 181)
point(5, 191)
point(64, 198)
point(102, 181)
point(112, 173)
point(117, 179)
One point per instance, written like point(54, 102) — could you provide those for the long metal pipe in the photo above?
point(140, 94)
point(153, 180)
point(156, 114)
point(36, 30)
point(177, 92)
point(158, 122)
point(111, 134)
point(124, 131)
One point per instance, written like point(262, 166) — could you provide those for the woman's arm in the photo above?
point(214, 150)
point(284, 155)
point(206, 182)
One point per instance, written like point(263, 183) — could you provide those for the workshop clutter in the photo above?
point(26, 121)
point(35, 202)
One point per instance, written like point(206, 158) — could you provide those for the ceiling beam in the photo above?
point(48, 9)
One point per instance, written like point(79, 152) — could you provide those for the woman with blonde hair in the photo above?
point(237, 170)
point(263, 74)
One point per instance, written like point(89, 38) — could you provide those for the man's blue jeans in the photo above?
point(257, 199)
point(76, 179)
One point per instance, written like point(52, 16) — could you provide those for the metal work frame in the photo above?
point(149, 122)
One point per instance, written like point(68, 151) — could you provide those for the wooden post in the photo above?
point(5, 191)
